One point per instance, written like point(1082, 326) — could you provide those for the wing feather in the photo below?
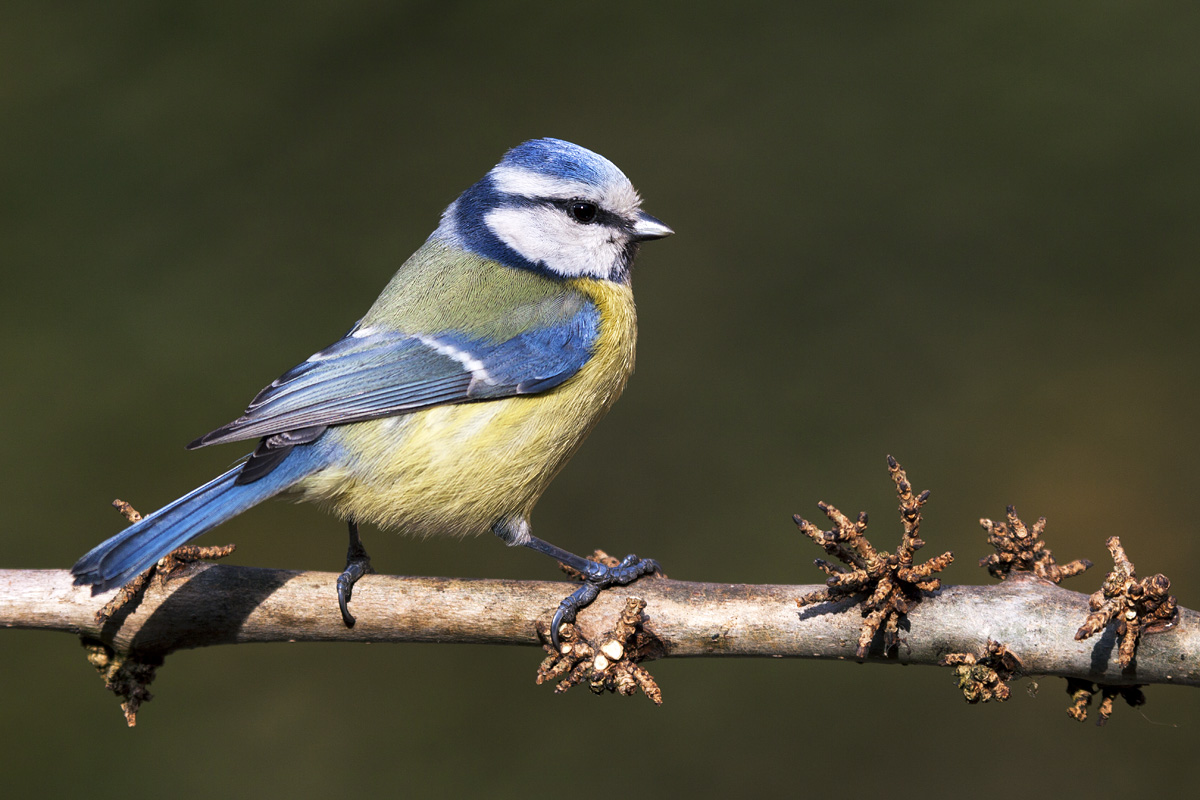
point(371, 374)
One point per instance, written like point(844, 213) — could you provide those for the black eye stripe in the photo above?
point(603, 217)
point(599, 217)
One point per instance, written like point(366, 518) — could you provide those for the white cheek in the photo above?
point(565, 247)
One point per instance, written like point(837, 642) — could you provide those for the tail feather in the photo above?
point(118, 560)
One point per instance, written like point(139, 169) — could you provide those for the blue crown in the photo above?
point(562, 160)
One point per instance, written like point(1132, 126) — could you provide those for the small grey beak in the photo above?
point(647, 228)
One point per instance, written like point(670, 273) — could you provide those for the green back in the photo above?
point(442, 288)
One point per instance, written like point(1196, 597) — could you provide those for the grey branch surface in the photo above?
point(209, 604)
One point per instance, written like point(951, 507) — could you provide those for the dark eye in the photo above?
point(582, 212)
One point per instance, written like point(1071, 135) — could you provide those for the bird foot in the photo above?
point(358, 563)
point(355, 569)
point(596, 578)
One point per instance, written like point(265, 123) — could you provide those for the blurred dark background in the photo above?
point(959, 234)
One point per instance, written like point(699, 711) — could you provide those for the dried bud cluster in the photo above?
point(984, 678)
point(1082, 691)
point(125, 675)
point(1021, 549)
point(172, 562)
point(894, 585)
point(611, 666)
point(1140, 606)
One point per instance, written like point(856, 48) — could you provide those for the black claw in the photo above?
point(629, 570)
point(358, 563)
point(343, 593)
point(345, 587)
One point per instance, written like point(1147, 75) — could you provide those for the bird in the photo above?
point(450, 406)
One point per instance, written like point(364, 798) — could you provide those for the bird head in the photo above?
point(556, 208)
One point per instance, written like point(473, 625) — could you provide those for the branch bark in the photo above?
point(209, 604)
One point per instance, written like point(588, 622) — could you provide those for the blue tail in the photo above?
point(134, 550)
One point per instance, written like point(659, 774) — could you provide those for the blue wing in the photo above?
point(373, 373)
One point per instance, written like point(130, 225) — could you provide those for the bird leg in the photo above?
point(596, 578)
point(358, 563)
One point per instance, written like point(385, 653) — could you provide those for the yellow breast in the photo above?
point(458, 469)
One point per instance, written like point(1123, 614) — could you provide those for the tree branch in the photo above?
point(208, 604)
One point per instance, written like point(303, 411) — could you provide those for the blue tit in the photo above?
point(453, 403)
